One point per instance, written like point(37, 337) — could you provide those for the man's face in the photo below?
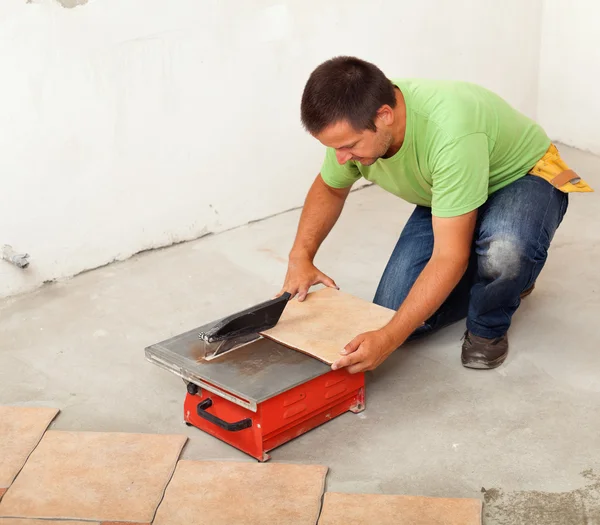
point(360, 146)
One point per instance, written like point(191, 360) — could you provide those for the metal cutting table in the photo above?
point(260, 395)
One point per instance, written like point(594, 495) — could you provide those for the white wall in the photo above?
point(132, 124)
point(569, 100)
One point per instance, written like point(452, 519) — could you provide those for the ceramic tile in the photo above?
point(220, 493)
point(27, 521)
point(326, 321)
point(366, 509)
point(94, 476)
point(21, 429)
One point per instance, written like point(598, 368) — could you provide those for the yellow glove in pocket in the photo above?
point(553, 168)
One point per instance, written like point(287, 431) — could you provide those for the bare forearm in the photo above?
point(453, 238)
point(322, 208)
point(431, 289)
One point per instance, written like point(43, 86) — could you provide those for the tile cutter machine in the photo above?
point(252, 392)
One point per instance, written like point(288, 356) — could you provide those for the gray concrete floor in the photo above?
point(527, 431)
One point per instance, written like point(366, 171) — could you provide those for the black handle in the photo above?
point(231, 427)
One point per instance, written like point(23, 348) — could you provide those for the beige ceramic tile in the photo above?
point(326, 321)
point(94, 476)
point(21, 429)
point(367, 509)
point(27, 521)
point(232, 493)
point(121, 523)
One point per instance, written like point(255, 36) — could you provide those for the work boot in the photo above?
point(479, 352)
point(525, 293)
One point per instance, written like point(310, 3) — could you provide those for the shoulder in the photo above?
point(452, 108)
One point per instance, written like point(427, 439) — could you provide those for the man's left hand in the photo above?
point(366, 351)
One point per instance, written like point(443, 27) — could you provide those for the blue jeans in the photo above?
point(513, 233)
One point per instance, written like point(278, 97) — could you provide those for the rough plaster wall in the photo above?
point(71, 3)
point(124, 122)
point(569, 105)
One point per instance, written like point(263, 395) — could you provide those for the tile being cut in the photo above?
point(227, 493)
point(325, 322)
point(105, 477)
point(366, 509)
point(21, 429)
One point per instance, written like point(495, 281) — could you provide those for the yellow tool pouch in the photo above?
point(553, 168)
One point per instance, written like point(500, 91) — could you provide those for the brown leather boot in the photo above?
point(481, 353)
point(527, 292)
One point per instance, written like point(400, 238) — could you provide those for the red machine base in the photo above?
point(279, 419)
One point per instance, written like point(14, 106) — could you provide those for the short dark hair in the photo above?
point(345, 88)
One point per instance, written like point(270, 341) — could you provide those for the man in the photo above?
point(489, 187)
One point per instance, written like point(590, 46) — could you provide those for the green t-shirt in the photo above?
point(462, 143)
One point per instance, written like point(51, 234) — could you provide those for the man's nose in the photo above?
point(343, 156)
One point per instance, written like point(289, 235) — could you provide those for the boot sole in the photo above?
point(527, 293)
point(480, 364)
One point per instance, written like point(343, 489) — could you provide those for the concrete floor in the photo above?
point(528, 432)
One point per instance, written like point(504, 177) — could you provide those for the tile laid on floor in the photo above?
point(27, 521)
point(94, 476)
point(365, 509)
point(21, 429)
point(227, 493)
point(326, 321)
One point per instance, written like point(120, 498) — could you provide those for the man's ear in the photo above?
point(386, 115)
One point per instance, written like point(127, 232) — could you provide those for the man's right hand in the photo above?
point(301, 275)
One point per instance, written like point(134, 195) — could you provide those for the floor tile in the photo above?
point(27, 521)
point(233, 493)
point(326, 321)
point(94, 476)
point(366, 509)
point(21, 429)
